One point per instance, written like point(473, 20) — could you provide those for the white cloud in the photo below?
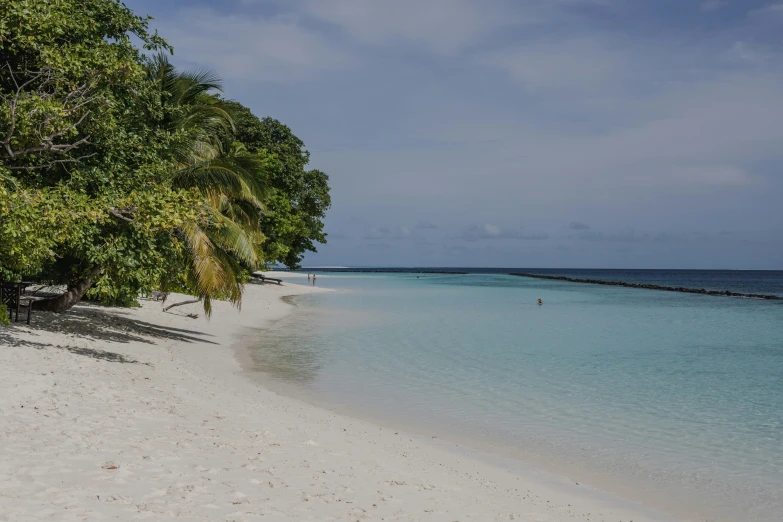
point(579, 64)
point(744, 52)
point(712, 5)
point(700, 175)
point(425, 225)
point(709, 133)
point(264, 49)
point(386, 233)
point(627, 236)
point(443, 26)
point(578, 225)
point(487, 231)
point(490, 231)
point(775, 8)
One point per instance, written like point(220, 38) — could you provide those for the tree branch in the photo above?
point(120, 213)
point(53, 163)
point(191, 301)
point(40, 87)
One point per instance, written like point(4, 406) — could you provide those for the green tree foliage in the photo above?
point(229, 178)
point(295, 210)
point(83, 160)
point(120, 174)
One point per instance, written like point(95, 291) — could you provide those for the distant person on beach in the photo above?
point(308, 277)
point(313, 279)
point(540, 302)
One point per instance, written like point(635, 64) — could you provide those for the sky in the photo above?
point(529, 133)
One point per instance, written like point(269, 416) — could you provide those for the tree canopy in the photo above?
point(300, 197)
point(120, 174)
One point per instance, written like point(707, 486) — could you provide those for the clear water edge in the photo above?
point(281, 380)
point(633, 411)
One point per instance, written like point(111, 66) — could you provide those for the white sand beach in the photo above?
point(137, 414)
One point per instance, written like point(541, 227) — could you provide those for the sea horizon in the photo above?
point(520, 267)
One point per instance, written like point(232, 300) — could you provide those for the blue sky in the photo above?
point(558, 133)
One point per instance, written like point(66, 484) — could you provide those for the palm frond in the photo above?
point(231, 180)
point(233, 238)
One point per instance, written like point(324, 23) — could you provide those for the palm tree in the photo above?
point(230, 179)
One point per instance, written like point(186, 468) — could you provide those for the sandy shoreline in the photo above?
point(144, 415)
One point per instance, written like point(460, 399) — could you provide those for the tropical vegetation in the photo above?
point(121, 174)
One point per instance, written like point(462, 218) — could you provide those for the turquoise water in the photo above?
point(673, 400)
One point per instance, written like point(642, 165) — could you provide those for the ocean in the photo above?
point(671, 400)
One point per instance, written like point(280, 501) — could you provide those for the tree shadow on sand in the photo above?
point(89, 321)
point(7, 338)
point(103, 355)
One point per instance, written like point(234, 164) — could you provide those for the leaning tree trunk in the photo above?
point(191, 301)
point(74, 293)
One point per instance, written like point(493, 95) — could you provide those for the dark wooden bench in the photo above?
point(12, 295)
point(264, 279)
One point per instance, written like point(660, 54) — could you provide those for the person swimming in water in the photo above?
point(540, 302)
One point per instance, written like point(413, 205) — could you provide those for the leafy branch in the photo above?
point(37, 100)
point(122, 213)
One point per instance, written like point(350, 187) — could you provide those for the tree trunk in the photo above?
point(72, 295)
point(169, 307)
